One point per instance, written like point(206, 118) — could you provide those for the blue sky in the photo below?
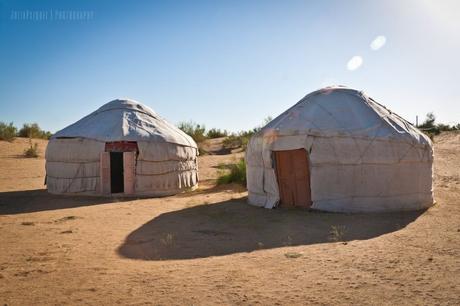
point(227, 64)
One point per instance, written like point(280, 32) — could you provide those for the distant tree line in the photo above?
point(232, 140)
point(198, 131)
point(431, 128)
point(241, 139)
point(30, 130)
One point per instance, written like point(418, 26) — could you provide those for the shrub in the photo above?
point(194, 130)
point(33, 130)
point(32, 151)
point(235, 173)
point(241, 139)
point(216, 133)
point(292, 255)
point(46, 134)
point(337, 233)
point(7, 131)
point(168, 240)
point(236, 141)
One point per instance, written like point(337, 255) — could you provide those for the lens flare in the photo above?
point(354, 63)
point(378, 42)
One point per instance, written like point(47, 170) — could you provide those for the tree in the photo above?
point(194, 130)
point(33, 130)
point(30, 130)
point(429, 121)
point(7, 131)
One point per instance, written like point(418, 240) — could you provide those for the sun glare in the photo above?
point(378, 42)
point(354, 63)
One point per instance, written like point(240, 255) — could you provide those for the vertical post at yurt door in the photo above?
point(129, 164)
point(104, 173)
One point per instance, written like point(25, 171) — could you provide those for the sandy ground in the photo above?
point(210, 247)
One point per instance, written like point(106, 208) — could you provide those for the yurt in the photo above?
point(339, 150)
point(123, 148)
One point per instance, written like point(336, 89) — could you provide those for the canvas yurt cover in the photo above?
point(122, 148)
point(339, 150)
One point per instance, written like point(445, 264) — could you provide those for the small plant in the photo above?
point(7, 131)
point(32, 151)
point(337, 233)
point(235, 173)
point(293, 255)
point(168, 240)
point(288, 241)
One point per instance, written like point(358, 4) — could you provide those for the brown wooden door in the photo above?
point(293, 175)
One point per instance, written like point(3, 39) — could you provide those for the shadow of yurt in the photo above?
point(232, 227)
point(29, 201)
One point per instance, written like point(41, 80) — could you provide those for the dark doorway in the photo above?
point(116, 172)
point(293, 174)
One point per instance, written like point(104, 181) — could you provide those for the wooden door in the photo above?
point(104, 173)
point(129, 170)
point(293, 175)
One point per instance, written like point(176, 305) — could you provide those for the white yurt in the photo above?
point(123, 148)
point(339, 150)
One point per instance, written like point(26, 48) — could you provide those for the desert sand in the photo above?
point(210, 247)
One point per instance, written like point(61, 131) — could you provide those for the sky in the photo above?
point(226, 64)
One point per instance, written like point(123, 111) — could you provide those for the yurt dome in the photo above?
point(339, 150)
point(122, 148)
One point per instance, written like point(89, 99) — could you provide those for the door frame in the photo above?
point(129, 149)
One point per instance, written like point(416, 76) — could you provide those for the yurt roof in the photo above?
point(342, 111)
point(125, 120)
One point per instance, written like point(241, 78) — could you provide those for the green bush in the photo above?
point(7, 131)
point(32, 151)
point(194, 130)
point(33, 130)
point(47, 135)
point(216, 133)
point(233, 173)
